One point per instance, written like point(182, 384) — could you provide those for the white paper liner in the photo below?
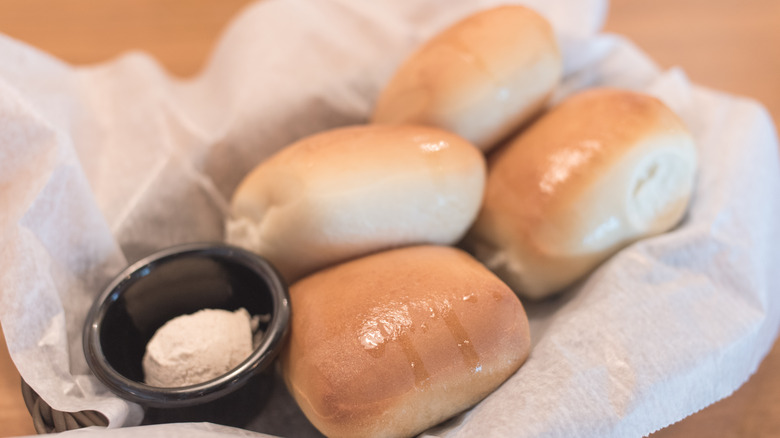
point(102, 165)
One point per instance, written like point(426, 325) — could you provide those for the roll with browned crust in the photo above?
point(481, 78)
point(351, 191)
point(603, 169)
point(391, 344)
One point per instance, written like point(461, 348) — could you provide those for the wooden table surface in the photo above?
point(730, 45)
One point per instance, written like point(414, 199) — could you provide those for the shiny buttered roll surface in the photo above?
point(391, 344)
point(603, 169)
point(481, 78)
point(351, 191)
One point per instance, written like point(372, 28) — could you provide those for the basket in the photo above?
point(48, 420)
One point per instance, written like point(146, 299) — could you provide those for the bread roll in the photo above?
point(603, 169)
point(391, 344)
point(481, 78)
point(351, 191)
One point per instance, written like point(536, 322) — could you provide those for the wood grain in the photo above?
point(179, 33)
point(733, 46)
point(730, 45)
point(14, 418)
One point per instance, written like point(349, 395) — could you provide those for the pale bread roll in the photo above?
point(603, 169)
point(481, 78)
point(351, 191)
point(391, 344)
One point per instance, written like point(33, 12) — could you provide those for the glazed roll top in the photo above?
point(481, 78)
point(351, 191)
point(393, 343)
point(603, 169)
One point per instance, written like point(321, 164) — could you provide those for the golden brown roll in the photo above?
point(481, 78)
point(391, 344)
point(351, 191)
point(603, 169)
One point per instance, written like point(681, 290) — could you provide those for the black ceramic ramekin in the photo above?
point(173, 282)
